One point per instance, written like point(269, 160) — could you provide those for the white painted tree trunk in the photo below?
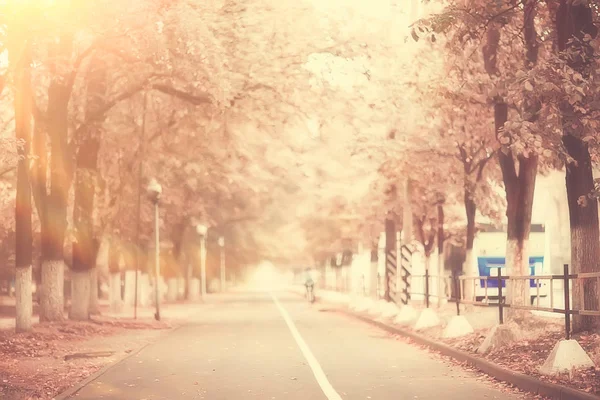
point(116, 302)
point(442, 281)
point(188, 280)
point(24, 301)
point(517, 261)
point(143, 290)
point(80, 296)
point(181, 288)
point(94, 301)
point(373, 268)
point(163, 288)
point(52, 301)
point(172, 289)
point(194, 289)
point(467, 286)
point(129, 295)
point(399, 282)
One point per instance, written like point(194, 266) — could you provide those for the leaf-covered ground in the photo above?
point(528, 354)
point(33, 366)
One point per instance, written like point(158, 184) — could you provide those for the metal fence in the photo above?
point(499, 283)
point(495, 288)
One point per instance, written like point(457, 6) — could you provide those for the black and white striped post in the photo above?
point(390, 260)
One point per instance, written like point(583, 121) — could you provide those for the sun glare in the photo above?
point(266, 277)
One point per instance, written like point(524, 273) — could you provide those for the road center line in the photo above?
point(320, 376)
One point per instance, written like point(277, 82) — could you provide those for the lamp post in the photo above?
point(222, 246)
point(202, 231)
point(154, 192)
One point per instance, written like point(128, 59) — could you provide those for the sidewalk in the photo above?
point(175, 311)
point(517, 363)
point(53, 356)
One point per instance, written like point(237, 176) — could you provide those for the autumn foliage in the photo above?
point(295, 138)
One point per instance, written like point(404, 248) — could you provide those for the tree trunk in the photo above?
point(585, 233)
point(84, 254)
point(143, 289)
point(52, 297)
point(427, 284)
point(24, 299)
point(116, 299)
point(23, 207)
point(519, 185)
point(374, 266)
point(54, 223)
point(129, 295)
point(52, 302)
point(80, 295)
point(181, 288)
point(84, 246)
point(94, 300)
point(469, 266)
point(577, 21)
point(39, 184)
point(172, 289)
point(441, 265)
point(193, 289)
point(407, 216)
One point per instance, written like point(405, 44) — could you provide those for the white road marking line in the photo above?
point(320, 376)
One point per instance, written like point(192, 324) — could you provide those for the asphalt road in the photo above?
point(252, 345)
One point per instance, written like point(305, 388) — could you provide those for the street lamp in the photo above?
point(154, 192)
point(202, 231)
point(222, 246)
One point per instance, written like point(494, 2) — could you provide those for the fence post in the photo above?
point(500, 300)
point(457, 293)
point(427, 288)
point(567, 302)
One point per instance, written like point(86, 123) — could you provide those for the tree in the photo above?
point(464, 133)
point(63, 51)
point(86, 243)
point(575, 29)
point(518, 163)
point(20, 59)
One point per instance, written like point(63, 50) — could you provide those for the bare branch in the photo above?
point(191, 98)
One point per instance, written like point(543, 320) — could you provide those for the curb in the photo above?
point(521, 381)
point(70, 392)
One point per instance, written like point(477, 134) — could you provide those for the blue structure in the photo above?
point(485, 264)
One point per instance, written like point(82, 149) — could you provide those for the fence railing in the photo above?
point(495, 287)
point(565, 278)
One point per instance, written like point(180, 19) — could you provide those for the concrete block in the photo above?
point(365, 305)
point(406, 315)
point(355, 302)
point(427, 319)
point(500, 336)
point(566, 356)
point(389, 310)
point(377, 308)
point(457, 327)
